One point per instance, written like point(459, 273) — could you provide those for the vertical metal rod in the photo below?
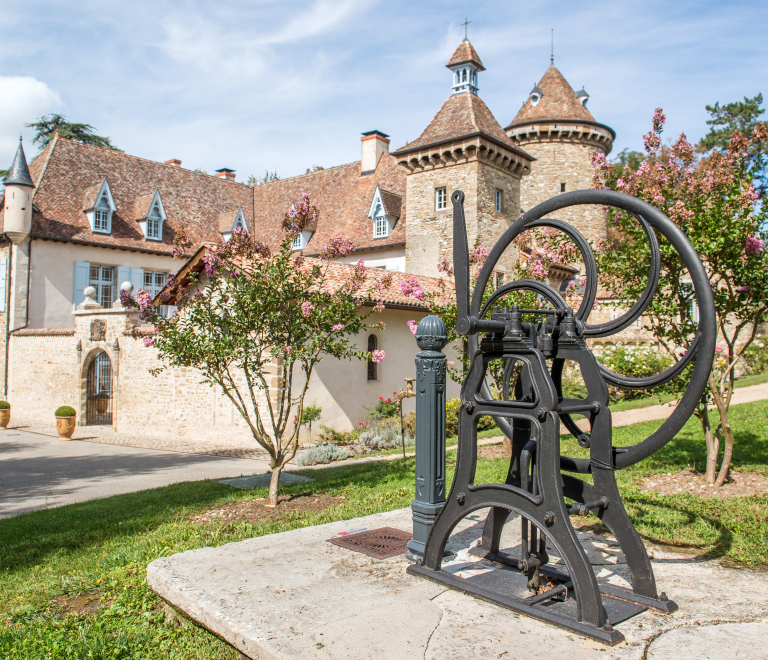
point(431, 362)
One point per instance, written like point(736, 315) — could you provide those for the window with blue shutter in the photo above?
point(82, 277)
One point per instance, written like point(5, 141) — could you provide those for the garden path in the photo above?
point(235, 447)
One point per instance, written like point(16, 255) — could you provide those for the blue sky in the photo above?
point(287, 84)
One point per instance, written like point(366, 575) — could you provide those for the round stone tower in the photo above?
point(556, 128)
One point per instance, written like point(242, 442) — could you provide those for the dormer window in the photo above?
point(99, 208)
point(152, 222)
point(536, 94)
point(384, 212)
point(301, 241)
point(582, 97)
point(231, 221)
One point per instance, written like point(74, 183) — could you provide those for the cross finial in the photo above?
point(465, 24)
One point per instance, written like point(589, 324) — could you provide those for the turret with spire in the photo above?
point(462, 148)
point(555, 126)
point(19, 189)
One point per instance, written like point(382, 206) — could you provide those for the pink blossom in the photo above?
point(412, 287)
point(338, 327)
point(287, 350)
point(761, 345)
point(306, 308)
point(377, 356)
point(379, 306)
point(148, 341)
point(754, 245)
point(478, 255)
point(337, 247)
point(413, 325)
point(748, 197)
point(143, 299)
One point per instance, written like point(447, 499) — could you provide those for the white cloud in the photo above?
point(22, 100)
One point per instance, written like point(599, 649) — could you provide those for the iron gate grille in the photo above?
point(98, 406)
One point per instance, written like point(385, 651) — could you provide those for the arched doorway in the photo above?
point(98, 404)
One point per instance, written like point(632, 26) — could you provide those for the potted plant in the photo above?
point(102, 402)
point(5, 414)
point(65, 422)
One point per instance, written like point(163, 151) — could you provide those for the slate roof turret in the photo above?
point(18, 175)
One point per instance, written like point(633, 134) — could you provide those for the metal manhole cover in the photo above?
point(378, 543)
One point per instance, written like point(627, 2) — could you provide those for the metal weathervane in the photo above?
point(533, 346)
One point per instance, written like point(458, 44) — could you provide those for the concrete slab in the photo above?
point(262, 480)
point(727, 641)
point(293, 595)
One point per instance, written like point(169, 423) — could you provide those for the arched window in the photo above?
point(373, 371)
point(464, 76)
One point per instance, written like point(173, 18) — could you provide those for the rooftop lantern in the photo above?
point(465, 65)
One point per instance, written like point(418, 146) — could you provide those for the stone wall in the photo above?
point(430, 232)
point(49, 369)
point(557, 163)
point(43, 372)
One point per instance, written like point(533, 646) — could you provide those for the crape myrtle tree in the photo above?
point(257, 322)
point(712, 198)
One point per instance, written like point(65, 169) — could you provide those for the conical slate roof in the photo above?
point(465, 53)
point(461, 115)
point(18, 175)
point(558, 102)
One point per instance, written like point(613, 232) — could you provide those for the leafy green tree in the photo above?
point(627, 158)
point(713, 201)
point(268, 177)
point(46, 127)
point(256, 323)
point(742, 116)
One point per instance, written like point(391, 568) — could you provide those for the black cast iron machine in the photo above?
point(543, 486)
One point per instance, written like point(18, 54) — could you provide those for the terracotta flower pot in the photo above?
point(66, 427)
point(102, 405)
point(5, 417)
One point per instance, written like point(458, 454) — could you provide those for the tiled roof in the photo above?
point(558, 103)
point(68, 176)
point(338, 274)
point(465, 53)
point(462, 114)
point(392, 203)
point(89, 196)
point(343, 199)
point(140, 207)
point(226, 220)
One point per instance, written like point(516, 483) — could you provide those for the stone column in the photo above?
point(431, 335)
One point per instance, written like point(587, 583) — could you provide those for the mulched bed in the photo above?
point(89, 603)
point(739, 484)
point(258, 510)
point(492, 451)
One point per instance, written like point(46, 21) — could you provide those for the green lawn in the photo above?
point(105, 546)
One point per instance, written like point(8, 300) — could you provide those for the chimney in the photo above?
point(225, 173)
point(174, 161)
point(374, 145)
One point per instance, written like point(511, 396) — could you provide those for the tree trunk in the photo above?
point(725, 466)
point(274, 482)
point(713, 445)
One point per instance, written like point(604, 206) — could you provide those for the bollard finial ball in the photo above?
point(431, 335)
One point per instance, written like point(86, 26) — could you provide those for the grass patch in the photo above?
point(103, 547)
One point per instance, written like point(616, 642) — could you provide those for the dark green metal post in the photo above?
point(431, 336)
